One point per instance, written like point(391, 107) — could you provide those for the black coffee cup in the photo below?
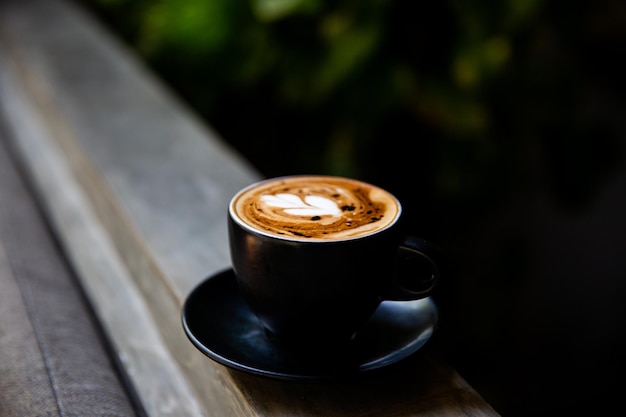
point(314, 256)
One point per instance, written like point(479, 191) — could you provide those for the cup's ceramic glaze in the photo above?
point(314, 256)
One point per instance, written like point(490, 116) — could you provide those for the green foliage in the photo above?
point(348, 87)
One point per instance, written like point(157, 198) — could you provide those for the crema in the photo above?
point(315, 208)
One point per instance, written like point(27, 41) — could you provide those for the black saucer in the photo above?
point(219, 323)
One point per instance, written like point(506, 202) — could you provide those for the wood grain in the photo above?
point(137, 187)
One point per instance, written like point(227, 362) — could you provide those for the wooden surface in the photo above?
point(136, 188)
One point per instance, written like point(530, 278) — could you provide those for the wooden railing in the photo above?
point(136, 188)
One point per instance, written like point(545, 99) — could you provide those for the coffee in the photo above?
point(315, 208)
point(314, 256)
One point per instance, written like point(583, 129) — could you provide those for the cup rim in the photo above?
point(234, 217)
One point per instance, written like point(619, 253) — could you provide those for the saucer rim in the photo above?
point(388, 360)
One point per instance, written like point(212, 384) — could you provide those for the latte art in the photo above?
point(311, 205)
point(315, 208)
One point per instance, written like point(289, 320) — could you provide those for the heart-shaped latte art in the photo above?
point(311, 205)
point(314, 208)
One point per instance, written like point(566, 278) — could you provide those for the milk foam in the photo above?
point(315, 208)
point(310, 205)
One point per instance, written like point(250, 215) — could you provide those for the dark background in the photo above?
point(499, 125)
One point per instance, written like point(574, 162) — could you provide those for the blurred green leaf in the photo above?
point(271, 10)
point(196, 26)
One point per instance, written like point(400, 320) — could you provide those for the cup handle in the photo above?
point(417, 270)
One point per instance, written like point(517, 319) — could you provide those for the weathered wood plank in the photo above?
point(86, 226)
point(164, 390)
point(137, 188)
